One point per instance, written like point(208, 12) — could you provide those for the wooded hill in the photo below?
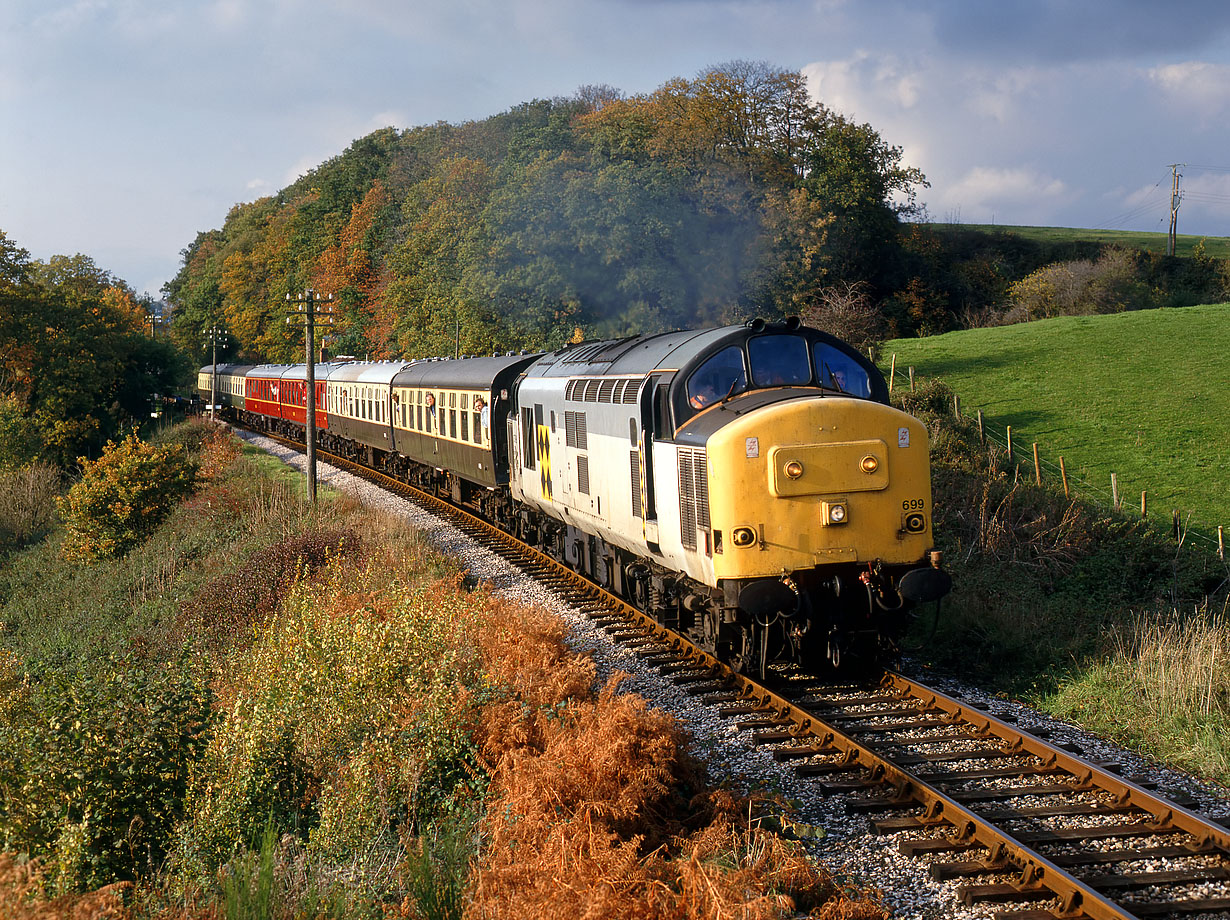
point(709, 200)
point(705, 201)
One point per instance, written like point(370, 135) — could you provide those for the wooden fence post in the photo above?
point(956, 405)
point(1114, 491)
point(892, 372)
point(1009, 431)
point(1174, 520)
point(911, 378)
point(1037, 465)
point(1063, 474)
point(982, 435)
point(1221, 543)
point(1144, 504)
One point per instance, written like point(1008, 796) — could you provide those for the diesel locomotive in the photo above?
point(749, 486)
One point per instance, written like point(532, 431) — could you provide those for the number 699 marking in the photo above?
point(913, 504)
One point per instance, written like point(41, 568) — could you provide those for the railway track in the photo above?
point(1030, 829)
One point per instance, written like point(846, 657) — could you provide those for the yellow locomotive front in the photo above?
point(821, 514)
point(819, 500)
point(813, 482)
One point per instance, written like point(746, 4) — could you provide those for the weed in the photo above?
point(1164, 690)
point(27, 503)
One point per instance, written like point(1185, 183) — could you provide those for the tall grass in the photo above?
point(27, 503)
point(1164, 690)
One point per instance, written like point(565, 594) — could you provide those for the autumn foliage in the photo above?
point(123, 496)
point(596, 809)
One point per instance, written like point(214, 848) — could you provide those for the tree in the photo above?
point(431, 307)
point(75, 361)
point(14, 263)
point(847, 312)
point(350, 270)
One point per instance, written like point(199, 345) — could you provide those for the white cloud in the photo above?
point(71, 16)
point(988, 188)
point(1197, 84)
point(228, 14)
point(862, 85)
point(302, 166)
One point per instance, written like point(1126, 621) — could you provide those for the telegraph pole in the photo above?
point(1175, 198)
point(308, 307)
point(216, 334)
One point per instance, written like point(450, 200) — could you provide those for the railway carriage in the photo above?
point(449, 427)
point(357, 403)
point(293, 393)
point(229, 384)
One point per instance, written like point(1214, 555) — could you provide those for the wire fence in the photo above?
point(1179, 524)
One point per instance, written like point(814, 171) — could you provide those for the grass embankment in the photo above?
point(268, 711)
point(1142, 395)
point(1092, 615)
point(1216, 247)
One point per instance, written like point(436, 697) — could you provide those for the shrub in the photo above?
point(225, 609)
point(1112, 284)
point(596, 808)
point(94, 766)
point(122, 497)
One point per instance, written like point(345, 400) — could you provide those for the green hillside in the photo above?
point(1143, 395)
point(1215, 247)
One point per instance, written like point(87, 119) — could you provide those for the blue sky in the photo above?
point(129, 125)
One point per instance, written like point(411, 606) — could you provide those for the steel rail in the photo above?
point(1038, 877)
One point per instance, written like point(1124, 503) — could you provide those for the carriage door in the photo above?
point(645, 475)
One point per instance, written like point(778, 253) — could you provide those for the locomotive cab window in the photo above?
point(779, 360)
point(721, 376)
point(838, 371)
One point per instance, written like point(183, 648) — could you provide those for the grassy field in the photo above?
point(1142, 395)
point(1217, 247)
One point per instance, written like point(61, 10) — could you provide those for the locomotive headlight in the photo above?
point(915, 523)
point(834, 512)
point(743, 536)
point(794, 469)
point(869, 464)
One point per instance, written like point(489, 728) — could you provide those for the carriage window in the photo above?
point(719, 377)
point(838, 371)
point(779, 360)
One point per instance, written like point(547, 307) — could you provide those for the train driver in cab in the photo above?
point(719, 377)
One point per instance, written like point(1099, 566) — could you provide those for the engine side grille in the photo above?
point(583, 475)
point(636, 484)
point(575, 430)
point(693, 495)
